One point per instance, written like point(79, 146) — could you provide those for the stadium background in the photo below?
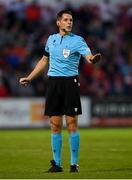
point(106, 89)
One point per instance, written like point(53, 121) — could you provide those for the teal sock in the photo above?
point(56, 143)
point(74, 140)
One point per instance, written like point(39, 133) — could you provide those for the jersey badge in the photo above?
point(66, 53)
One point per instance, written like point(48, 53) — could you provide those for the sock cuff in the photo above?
point(74, 134)
point(56, 135)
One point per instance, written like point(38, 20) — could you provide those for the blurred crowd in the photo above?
point(106, 27)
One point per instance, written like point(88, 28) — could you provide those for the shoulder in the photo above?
point(52, 36)
point(78, 40)
point(77, 37)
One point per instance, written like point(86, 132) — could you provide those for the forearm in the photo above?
point(93, 58)
point(88, 58)
point(39, 68)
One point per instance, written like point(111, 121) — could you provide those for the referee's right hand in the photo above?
point(24, 81)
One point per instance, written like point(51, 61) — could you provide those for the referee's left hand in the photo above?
point(95, 58)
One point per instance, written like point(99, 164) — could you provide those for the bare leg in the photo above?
point(56, 124)
point(72, 123)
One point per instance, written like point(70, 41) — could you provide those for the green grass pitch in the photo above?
point(104, 153)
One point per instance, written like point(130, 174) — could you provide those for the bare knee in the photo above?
point(71, 124)
point(56, 124)
point(56, 128)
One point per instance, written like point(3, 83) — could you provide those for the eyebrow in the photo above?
point(68, 18)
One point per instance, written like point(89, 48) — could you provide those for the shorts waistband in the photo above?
point(62, 77)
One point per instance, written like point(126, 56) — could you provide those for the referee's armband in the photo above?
point(46, 53)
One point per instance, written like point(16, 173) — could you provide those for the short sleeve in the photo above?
point(83, 48)
point(46, 48)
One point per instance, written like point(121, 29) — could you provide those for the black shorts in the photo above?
point(63, 96)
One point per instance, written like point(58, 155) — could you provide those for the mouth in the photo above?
point(69, 27)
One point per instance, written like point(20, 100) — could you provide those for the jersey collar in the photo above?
point(70, 34)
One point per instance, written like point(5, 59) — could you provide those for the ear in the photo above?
point(57, 23)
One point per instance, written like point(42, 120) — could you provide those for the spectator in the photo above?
point(106, 28)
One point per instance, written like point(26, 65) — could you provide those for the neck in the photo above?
point(63, 32)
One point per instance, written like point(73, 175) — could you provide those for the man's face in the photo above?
point(65, 23)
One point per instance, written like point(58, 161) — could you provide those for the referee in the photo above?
point(62, 52)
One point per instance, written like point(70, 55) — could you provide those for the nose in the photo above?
point(69, 22)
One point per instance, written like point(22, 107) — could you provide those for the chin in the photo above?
point(69, 30)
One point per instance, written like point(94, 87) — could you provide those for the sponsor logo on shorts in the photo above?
point(75, 109)
point(75, 80)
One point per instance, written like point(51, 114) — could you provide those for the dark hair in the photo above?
point(65, 11)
